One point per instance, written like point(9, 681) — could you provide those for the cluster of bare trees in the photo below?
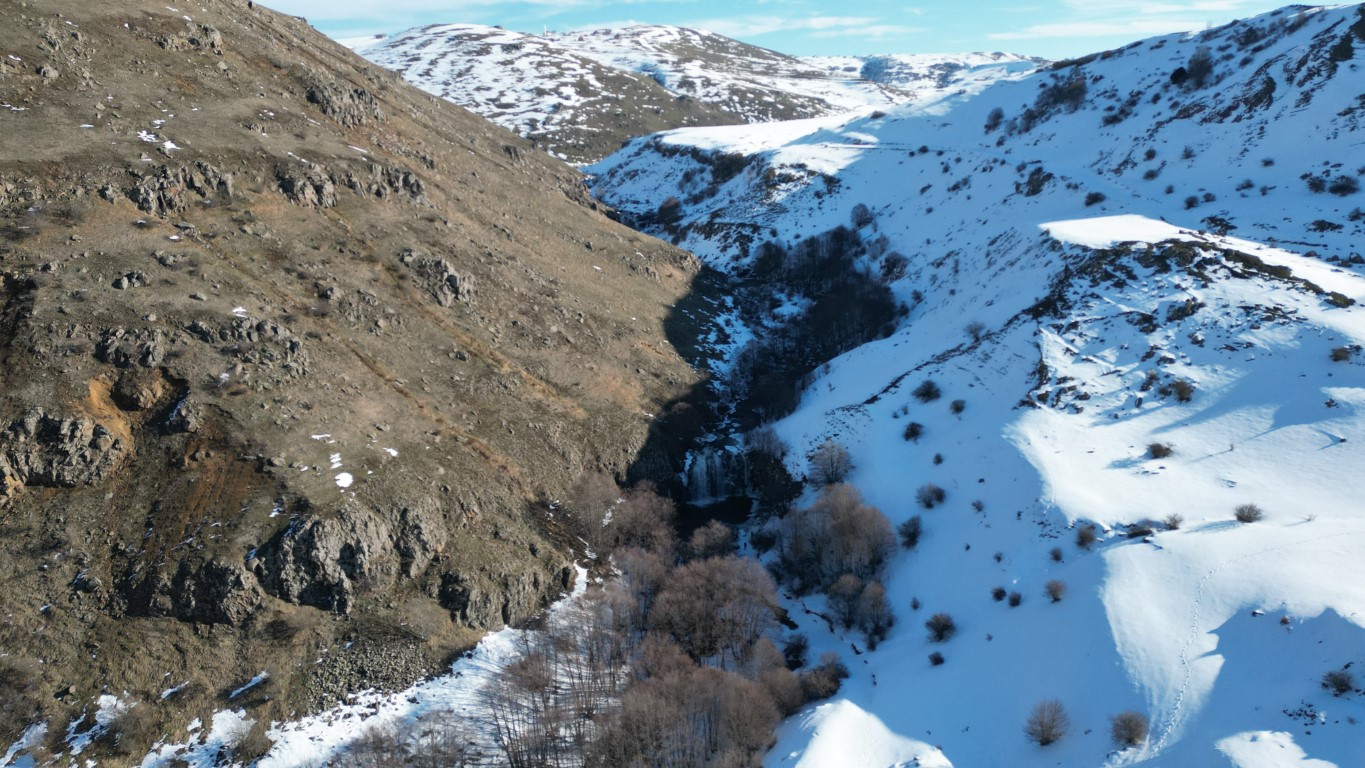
point(548, 704)
point(441, 740)
point(668, 664)
point(840, 544)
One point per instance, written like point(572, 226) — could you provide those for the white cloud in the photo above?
point(871, 31)
point(1134, 28)
point(1110, 8)
point(1134, 18)
point(753, 26)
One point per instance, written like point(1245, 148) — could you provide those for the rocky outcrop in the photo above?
point(382, 181)
point(438, 278)
point(41, 449)
point(508, 598)
point(213, 593)
point(309, 187)
point(347, 105)
point(125, 347)
point(137, 390)
point(328, 562)
point(187, 417)
point(162, 192)
point(195, 37)
point(422, 537)
point(264, 344)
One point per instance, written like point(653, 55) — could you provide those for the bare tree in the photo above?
point(587, 506)
point(715, 539)
point(693, 717)
point(764, 439)
point(716, 609)
point(644, 519)
point(836, 535)
point(1047, 723)
point(830, 463)
point(874, 616)
point(842, 596)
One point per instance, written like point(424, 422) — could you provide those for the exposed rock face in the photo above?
point(436, 275)
point(349, 106)
point(57, 451)
point(510, 599)
point(311, 188)
point(214, 593)
point(326, 562)
point(124, 347)
point(162, 192)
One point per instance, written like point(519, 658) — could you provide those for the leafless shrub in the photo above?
point(1086, 536)
point(823, 680)
point(941, 627)
point(927, 391)
point(1129, 728)
point(1056, 589)
point(910, 531)
point(1047, 723)
point(830, 463)
point(930, 495)
point(715, 539)
point(1339, 681)
point(716, 609)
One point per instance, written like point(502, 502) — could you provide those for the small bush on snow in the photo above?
point(927, 391)
point(1339, 682)
point(910, 531)
point(941, 627)
point(1047, 723)
point(930, 495)
point(1085, 536)
point(1129, 728)
point(1056, 590)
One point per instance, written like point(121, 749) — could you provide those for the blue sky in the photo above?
point(1051, 28)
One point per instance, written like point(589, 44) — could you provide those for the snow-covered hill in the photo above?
point(582, 94)
point(1065, 247)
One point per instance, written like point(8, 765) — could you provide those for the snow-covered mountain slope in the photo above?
point(1063, 246)
point(584, 93)
point(576, 107)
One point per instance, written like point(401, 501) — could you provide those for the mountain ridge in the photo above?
point(583, 93)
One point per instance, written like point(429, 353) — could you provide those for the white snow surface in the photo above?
point(1093, 308)
point(839, 734)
